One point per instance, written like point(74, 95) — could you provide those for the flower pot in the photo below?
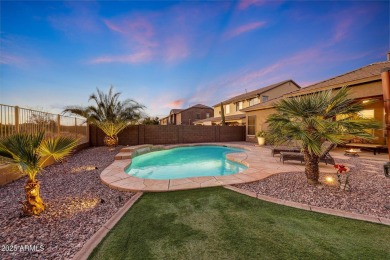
point(261, 140)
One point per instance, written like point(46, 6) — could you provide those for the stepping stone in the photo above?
point(123, 156)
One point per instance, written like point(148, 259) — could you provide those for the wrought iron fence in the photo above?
point(14, 119)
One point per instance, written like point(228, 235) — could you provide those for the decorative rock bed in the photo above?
point(369, 193)
point(78, 204)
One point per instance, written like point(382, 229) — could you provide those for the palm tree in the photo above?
point(111, 130)
point(108, 108)
point(30, 152)
point(315, 118)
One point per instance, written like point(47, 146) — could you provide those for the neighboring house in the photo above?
point(233, 106)
point(364, 83)
point(187, 116)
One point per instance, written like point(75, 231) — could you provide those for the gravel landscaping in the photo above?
point(78, 204)
point(369, 193)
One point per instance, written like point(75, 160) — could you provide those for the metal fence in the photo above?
point(14, 119)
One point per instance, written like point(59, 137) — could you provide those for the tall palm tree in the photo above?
point(108, 108)
point(315, 118)
point(30, 152)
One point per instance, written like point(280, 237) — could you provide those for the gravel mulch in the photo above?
point(78, 204)
point(369, 193)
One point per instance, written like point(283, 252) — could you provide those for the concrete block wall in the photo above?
point(171, 134)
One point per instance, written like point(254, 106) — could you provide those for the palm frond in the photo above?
point(56, 148)
point(111, 128)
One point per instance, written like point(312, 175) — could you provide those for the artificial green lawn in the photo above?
point(216, 223)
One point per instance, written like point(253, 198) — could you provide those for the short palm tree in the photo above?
point(111, 129)
point(315, 118)
point(30, 152)
point(108, 108)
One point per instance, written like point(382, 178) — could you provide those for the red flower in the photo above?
point(340, 168)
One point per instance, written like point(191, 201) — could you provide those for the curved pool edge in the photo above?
point(259, 161)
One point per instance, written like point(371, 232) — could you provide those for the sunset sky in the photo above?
point(176, 54)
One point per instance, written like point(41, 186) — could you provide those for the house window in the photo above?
point(368, 114)
point(197, 116)
point(239, 105)
point(207, 115)
point(227, 109)
point(264, 98)
point(251, 125)
point(253, 101)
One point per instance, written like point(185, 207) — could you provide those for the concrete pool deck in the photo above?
point(258, 159)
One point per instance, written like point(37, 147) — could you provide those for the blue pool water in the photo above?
point(183, 162)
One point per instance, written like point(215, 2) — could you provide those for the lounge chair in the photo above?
point(293, 146)
point(279, 149)
point(325, 157)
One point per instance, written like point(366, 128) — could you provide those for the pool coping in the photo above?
point(258, 159)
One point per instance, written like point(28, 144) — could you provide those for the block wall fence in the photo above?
point(170, 134)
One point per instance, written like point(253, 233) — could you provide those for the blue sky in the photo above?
point(175, 54)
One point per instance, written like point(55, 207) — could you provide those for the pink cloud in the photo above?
point(83, 18)
point(244, 4)
point(139, 57)
point(244, 28)
point(176, 49)
point(137, 29)
point(9, 59)
point(233, 83)
point(176, 103)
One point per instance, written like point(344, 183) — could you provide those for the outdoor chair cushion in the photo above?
point(325, 157)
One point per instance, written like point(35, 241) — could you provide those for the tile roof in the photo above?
point(254, 93)
point(176, 110)
point(370, 71)
point(364, 74)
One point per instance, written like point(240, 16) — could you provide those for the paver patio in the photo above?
point(258, 159)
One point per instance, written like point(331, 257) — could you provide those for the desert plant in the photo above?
point(150, 121)
point(261, 134)
point(108, 107)
point(30, 152)
point(111, 129)
point(312, 119)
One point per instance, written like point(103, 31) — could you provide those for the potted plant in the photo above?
point(260, 137)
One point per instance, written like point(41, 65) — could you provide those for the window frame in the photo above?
point(251, 125)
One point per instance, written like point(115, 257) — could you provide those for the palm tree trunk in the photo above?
point(111, 141)
point(33, 204)
point(312, 170)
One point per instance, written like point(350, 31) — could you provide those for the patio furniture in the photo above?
point(325, 157)
point(279, 149)
point(376, 148)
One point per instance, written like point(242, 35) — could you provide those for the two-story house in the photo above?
point(187, 116)
point(233, 106)
point(364, 83)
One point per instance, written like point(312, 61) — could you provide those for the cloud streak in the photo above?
point(244, 4)
point(140, 57)
point(176, 103)
point(9, 59)
point(244, 29)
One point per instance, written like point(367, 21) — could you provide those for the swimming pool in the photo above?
point(184, 162)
